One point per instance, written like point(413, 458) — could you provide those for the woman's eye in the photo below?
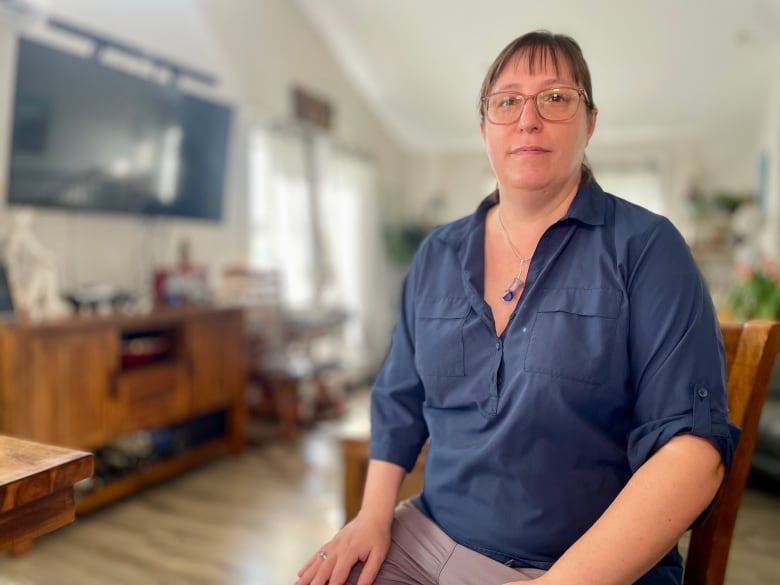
point(554, 98)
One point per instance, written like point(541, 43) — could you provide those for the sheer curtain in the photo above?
point(315, 218)
point(352, 238)
point(280, 213)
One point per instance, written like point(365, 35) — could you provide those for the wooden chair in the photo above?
point(750, 354)
point(751, 349)
point(287, 378)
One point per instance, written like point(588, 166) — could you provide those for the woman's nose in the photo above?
point(529, 119)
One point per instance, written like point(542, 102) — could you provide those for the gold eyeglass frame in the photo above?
point(525, 97)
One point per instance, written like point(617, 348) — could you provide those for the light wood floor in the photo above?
point(254, 519)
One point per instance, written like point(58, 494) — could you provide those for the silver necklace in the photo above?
point(517, 282)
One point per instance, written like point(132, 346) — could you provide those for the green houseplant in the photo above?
point(401, 242)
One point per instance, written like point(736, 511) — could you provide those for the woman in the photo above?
point(561, 351)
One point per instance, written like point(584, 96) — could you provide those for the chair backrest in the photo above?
point(259, 293)
point(751, 349)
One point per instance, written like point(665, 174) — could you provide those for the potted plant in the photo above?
point(401, 242)
point(757, 292)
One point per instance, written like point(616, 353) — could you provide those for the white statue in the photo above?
point(32, 271)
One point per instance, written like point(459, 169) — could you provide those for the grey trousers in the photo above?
point(422, 554)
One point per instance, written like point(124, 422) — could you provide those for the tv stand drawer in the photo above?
point(153, 396)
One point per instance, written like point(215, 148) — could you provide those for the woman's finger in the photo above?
point(324, 571)
point(314, 561)
point(371, 568)
point(305, 567)
point(308, 574)
point(341, 570)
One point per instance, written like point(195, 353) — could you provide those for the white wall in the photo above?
point(771, 146)
point(258, 49)
point(446, 186)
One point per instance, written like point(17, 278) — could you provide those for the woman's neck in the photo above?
point(535, 210)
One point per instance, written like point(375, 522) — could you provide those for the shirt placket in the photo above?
point(495, 377)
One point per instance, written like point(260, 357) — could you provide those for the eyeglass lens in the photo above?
point(556, 104)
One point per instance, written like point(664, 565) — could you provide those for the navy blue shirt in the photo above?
point(613, 349)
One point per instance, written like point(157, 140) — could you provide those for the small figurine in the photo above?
point(32, 270)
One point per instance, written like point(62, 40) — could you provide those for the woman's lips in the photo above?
point(529, 150)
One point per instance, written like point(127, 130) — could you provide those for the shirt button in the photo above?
point(702, 392)
point(498, 345)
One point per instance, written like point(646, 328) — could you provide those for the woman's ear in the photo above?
point(592, 122)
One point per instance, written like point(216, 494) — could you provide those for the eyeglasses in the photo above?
point(557, 104)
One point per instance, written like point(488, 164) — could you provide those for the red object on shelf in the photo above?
point(182, 284)
point(144, 350)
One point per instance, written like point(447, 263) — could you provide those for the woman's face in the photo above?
point(534, 153)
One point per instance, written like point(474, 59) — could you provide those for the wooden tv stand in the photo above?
point(83, 382)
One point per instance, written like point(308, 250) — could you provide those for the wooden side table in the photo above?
point(37, 490)
point(355, 453)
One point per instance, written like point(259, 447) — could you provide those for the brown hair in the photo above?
point(539, 46)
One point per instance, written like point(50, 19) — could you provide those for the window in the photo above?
point(314, 217)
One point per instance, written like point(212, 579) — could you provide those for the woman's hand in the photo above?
point(365, 538)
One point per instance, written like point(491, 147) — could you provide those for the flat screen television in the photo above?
point(91, 137)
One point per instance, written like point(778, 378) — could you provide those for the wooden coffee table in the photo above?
point(36, 489)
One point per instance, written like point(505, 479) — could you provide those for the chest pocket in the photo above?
point(438, 336)
point(573, 335)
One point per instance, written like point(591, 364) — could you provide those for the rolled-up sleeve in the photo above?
point(675, 350)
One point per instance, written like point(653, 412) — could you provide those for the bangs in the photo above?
point(540, 56)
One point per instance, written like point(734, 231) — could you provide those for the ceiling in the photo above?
point(661, 70)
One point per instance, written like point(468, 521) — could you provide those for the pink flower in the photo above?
point(768, 267)
point(745, 271)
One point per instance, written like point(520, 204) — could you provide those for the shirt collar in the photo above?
point(589, 204)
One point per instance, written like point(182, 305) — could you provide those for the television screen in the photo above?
point(89, 137)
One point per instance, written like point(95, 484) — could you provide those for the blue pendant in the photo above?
point(510, 293)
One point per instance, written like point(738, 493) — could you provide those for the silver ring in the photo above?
point(323, 555)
